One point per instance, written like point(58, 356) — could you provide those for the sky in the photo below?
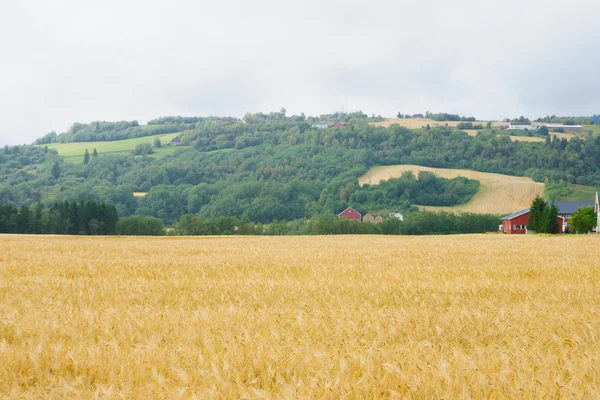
point(64, 61)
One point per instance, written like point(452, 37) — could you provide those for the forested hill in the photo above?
point(269, 166)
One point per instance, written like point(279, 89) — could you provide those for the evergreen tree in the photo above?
point(56, 170)
point(94, 153)
point(536, 211)
point(86, 157)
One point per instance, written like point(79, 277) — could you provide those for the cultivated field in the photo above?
point(73, 152)
point(416, 123)
point(476, 316)
point(498, 194)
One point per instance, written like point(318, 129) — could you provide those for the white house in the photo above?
point(522, 127)
point(401, 217)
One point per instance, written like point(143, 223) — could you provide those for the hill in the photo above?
point(73, 152)
point(272, 167)
point(498, 194)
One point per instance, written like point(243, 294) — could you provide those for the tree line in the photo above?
point(65, 218)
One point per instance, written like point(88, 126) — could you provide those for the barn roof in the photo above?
point(517, 214)
point(349, 208)
point(569, 207)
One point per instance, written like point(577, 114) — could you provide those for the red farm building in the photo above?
point(516, 223)
point(350, 213)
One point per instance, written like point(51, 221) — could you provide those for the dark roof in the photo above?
point(569, 207)
point(517, 214)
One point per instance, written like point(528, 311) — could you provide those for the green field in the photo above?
point(581, 193)
point(73, 152)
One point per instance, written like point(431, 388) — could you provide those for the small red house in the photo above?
point(516, 223)
point(338, 124)
point(350, 213)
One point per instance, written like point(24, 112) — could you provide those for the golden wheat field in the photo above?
point(497, 194)
point(472, 316)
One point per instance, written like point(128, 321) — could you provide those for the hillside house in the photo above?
point(350, 213)
point(175, 142)
point(321, 125)
point(368, 218)
point(378, 219)
point(338, 124)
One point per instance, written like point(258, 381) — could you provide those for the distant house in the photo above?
point(338, 124)
point(175, 142)
point(350, 213)
point(397, 216)
point(522, 127)
point(378, 219)
point(321, 125)
point(368, 218)
point(418, 116)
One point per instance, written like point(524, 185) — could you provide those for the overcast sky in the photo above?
point(76, 60)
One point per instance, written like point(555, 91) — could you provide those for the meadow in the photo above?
point(73, 152)
point(474, 316)
point(498, 194)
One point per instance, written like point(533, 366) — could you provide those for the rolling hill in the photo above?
point(498, 194)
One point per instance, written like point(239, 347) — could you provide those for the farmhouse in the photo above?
point(378, 219)
point(175, 142)
point(350, 213)
point(322, 125)
point(516, 223)
point(368, 218)
point(522, 127)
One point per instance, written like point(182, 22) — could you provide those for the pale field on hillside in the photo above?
point(417, 123)
point(473, 316)
point(497, 194)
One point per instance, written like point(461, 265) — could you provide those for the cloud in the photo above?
point(68, 60)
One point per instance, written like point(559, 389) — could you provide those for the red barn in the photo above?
point(350, 213)
point(516, 223)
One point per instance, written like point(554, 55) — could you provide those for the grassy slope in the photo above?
point(581, 193)
point(73, 152)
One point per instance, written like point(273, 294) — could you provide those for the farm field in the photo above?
point(73, 152)
point(498, 194)
point(472, 316)
point(417, 123)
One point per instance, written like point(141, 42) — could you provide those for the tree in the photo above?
point(157, 142)
point(399, 115)
point(489, 124)
point(549, 223)
point(86, 157)
point(536, 213)
point(583, 219)
point(543, 130)
point(94, 153)
point(56, 170)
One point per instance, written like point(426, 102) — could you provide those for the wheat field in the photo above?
point(472, 316)
point(497, 194)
